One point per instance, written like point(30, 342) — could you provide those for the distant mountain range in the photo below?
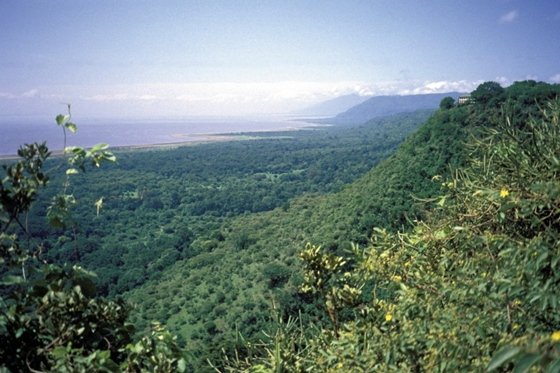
point(333, 106)
point(379, 106)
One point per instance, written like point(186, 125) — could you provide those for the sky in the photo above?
point(135, 58)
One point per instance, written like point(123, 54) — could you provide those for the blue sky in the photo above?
point(236, 57)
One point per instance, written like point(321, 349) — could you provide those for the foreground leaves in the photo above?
point(50, 316)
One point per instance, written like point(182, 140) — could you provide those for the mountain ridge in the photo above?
point(333, 106)
point(379, 106)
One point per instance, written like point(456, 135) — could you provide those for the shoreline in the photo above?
point(197, 139)
point(192, 140)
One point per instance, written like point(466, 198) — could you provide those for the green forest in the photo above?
point(421, 241)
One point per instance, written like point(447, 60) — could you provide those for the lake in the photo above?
point(134, 132)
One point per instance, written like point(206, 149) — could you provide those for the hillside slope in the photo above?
point(211, 296)
point(473, 287)
point(387, 105)
point(333, 106)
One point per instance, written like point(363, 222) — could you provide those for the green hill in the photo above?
point(472, 287)
point(214, 295)
point(254, 265)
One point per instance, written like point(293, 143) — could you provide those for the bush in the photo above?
point(50, 316)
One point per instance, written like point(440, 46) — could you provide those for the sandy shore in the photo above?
point(193, 140)
point(196, 139)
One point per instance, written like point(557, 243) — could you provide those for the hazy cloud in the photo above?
point(555, 78)
point(148, 97)
point(509, 17)
point(227, 98)
point(442, 86)
point(109, 97)
point(7, 95)
point(223, 98)
point(31, 93)
point(502, 80)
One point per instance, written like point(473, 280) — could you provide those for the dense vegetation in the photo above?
point(472, 287)
point(253, 266)
point(50, 316)
point(440, 256)
point(160, 206)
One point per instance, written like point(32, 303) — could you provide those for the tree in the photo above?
point(447, 103)
point(488, 93)
point(276, 273)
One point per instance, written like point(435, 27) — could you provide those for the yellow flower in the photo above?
point(555, 337)
point(504, 192)
point(396, 278)
point(388, 317)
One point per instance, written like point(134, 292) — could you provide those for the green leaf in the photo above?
point(62, 119)
point(73, 149)
point(553, 367)
point(181, 365)
point(71, 126)
point(526, 362)
point(503, 356)
point(59, 352)
point(98, 147)
point(11, 280)
point(110, 157)
point(20, 332)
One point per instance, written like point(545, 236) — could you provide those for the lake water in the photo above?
point(121, 132)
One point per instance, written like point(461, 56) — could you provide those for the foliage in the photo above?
point(55, 310)
point(474, 286)
point(283, 350)
point(447, 103)
point(20, 184)
point(50, 317)
point(488, 93)
point(205, 238)
point(229, 290)
point(156, 352)
point(179, 216)
point(380, 197)
point(277, 274)
point(326, 276)
point(170, 205)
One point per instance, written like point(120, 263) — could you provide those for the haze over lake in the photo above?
point(134, 132)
